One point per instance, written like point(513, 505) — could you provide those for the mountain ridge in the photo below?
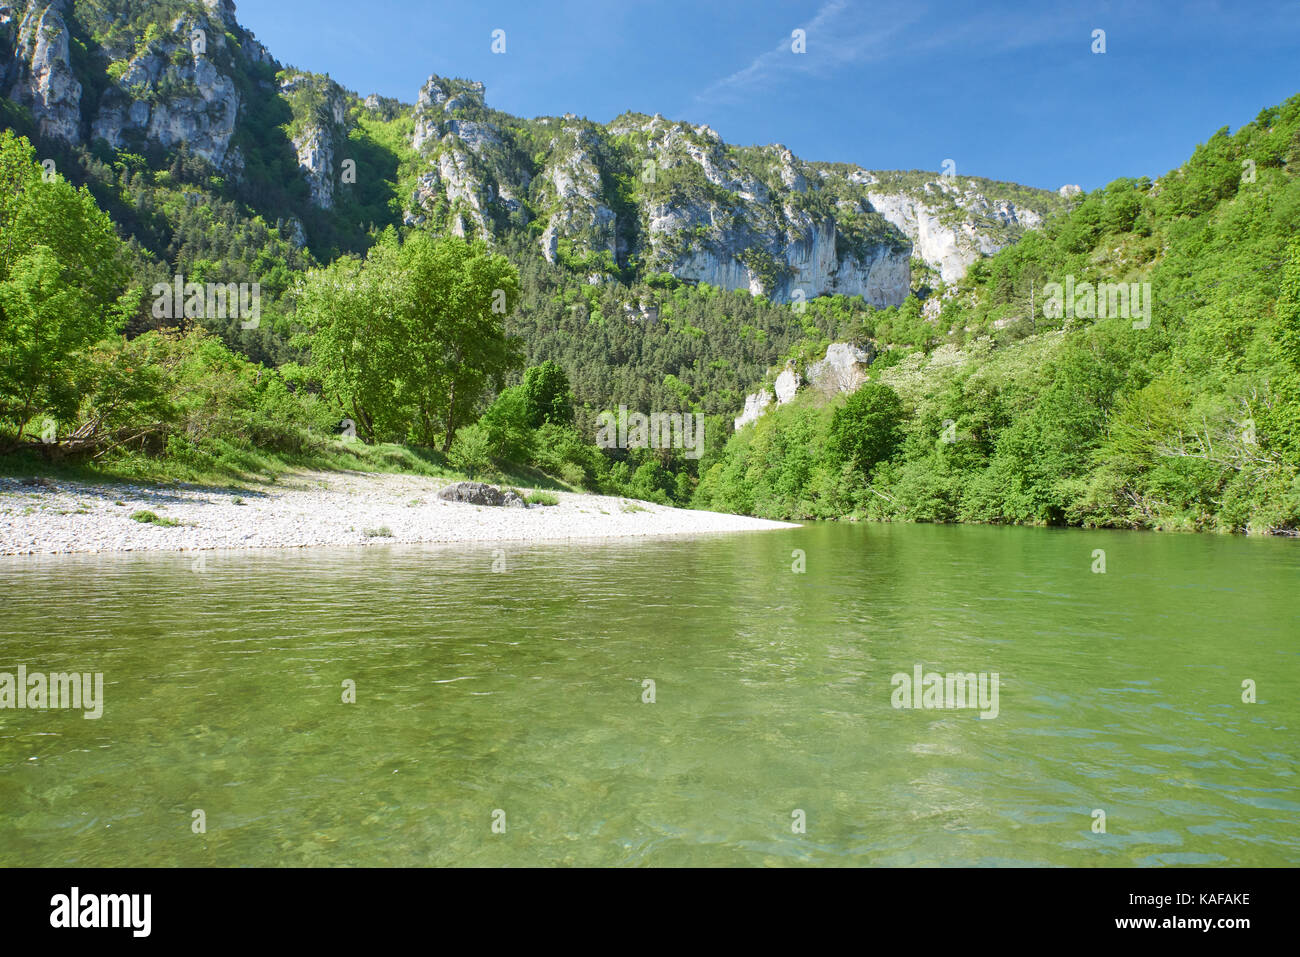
point(637, 196)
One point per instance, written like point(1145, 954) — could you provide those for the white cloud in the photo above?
point(833, 38)
point(843, 33)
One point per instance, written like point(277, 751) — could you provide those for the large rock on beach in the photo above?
point(479, 493)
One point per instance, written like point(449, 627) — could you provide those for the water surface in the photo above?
point(522, 691)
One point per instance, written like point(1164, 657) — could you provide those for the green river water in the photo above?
point(521, 691)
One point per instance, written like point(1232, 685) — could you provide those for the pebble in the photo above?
point(315, 509)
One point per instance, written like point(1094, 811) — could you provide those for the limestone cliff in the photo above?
point(458, 146)
point(171, 91)
point(42, 76)
point(319, 131)
point(842, 369)
point(638, 196)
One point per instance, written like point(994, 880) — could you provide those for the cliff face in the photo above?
point(665, 196)
point(753, 219)
point(642, 194)
point(42, 77)
point(172, 92)
point(570, 188)
point(174, 86)
point(320, 107)
point(454, 145)
point(947, 221)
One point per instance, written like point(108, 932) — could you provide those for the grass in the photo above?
point(152, 518)
point(224, 465)
point(233, 468)
point(382, 532)
point(542, 498)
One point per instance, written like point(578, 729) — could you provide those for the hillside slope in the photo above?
point(1136, 363)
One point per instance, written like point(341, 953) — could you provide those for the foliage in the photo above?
point(866, 429)
point(471, 451)
point(411, 339)
point(547, 395)
point(62, 286)
point(1188, 421)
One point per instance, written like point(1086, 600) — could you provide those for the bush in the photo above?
point(510, 437)
point(471, 452)
point(573, 475)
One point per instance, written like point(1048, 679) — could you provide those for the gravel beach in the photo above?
point(312, 509)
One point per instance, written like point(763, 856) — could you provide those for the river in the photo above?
point(663, 702)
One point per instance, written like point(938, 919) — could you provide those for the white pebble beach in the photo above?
point(316, 509)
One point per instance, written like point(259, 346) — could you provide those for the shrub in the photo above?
point(471, 452)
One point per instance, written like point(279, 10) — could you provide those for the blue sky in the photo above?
point(1006, 90)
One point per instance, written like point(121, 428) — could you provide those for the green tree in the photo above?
point(356, 340)
point(413, 338)
point(549, 397)
point(510, 437)
point(62, 282)
point(867, 428)
point(471, 451)
point(453, 302)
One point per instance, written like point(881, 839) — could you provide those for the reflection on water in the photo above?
point(523, 692)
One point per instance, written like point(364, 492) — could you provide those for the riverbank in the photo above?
point(312, 509)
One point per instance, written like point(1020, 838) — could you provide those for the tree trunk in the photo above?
point(451, 419)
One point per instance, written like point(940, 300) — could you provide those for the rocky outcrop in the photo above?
point(787, 384)
point(756, 404)
point(315, 147)
point(753, 226)
point(842, 369)
point(297, 232)
point(478, 493)
point(797, 265)
point(439, 102)
point(572, 188)
point(455, 143)
point(319, 130)
point(950, 243)
point(173, 93)
point(43, 79)
point(169, 90)
point(753, 218)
